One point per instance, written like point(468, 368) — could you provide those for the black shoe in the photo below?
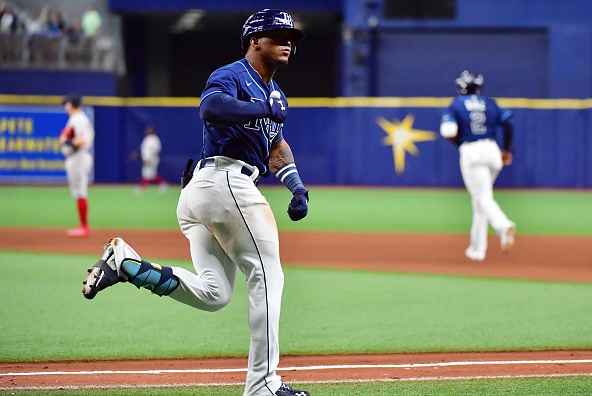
point(285, 390)
point(101, 275)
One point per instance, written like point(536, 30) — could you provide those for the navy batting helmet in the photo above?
point(470, 84)
point(265, 20)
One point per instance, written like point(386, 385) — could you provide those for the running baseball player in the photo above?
point(471, 122)
point(75, 140)
point(228, 222)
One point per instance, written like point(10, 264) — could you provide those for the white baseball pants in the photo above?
point(230, 226)
point(150, 169)
point(78, 167)
point(480, 164)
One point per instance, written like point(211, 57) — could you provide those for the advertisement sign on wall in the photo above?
point(29, 147)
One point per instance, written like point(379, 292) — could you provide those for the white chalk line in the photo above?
point(220, 384)
point(299, 368)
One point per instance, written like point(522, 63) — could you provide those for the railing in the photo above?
point(57, 53)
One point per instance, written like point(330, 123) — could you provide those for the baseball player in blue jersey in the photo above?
point(471, 122)
point(228, 222)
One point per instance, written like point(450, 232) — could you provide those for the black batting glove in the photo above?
point(298, 207)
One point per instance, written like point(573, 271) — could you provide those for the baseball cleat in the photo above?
point(286, 390)
point(507, 238)
point(474, 255)
point(82, 231)
point(101, 275)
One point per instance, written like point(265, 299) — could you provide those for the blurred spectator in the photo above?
point(91, 21)
point(34, 23)
point(8, 21)
point(74, 32)
point(55, 24)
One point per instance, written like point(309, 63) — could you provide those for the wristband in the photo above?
point(290, 177)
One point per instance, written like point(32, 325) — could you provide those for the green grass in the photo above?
point(331, 209)
point(536, 386)
point(45, 316)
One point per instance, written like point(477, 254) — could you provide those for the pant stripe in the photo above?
point(264, 276)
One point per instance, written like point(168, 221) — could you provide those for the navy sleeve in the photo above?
point(219, 104)
point(222, 109)
point(508, 134)
point(504, 118)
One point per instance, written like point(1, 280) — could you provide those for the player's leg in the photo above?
point(486, 163)
point(158, 179)
point(478, 241)
point(255, 249)
point(211, 288)
point(162, 184)
point(121, 263)
point(77, 171)
point(239, 217)
point(472, 174)
point(504, 227)
point(147, 173)
point(86, 166)
point(479, 226)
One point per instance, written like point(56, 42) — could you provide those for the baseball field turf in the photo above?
point(325, 311)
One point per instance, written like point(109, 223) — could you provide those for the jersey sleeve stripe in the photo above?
point(285, 171)
point(505, 116)
point(210, 93)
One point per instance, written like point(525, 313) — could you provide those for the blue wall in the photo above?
point(344, 143)
point(524, 48)
point(432, 72)
point(520, 42)
point(45, 82)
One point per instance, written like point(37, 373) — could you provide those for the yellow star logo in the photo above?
point(403, 137)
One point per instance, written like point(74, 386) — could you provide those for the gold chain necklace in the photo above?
point(255, 70)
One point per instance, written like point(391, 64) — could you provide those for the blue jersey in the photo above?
point(249, 141)
point(477, 117)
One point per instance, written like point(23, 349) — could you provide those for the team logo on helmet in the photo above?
point(283, 19)
point(268, 19)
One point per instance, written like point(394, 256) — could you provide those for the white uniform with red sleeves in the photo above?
point(78, 163)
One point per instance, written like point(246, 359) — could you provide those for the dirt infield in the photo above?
point(541, 258)
point(534, 257)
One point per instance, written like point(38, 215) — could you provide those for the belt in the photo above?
point(231, 165)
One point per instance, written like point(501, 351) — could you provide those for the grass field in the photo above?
point(331, 209)
point(564, 386)
point(44, 317)
point(403, 313)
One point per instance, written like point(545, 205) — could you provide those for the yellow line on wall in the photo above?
point(377, 102)
point(100, 101)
